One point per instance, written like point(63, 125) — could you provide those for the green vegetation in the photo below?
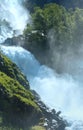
point(37, 128)
point(64, 24)
point(11, 89)
point(12, 70)
point(18, 108)
point(54, 28)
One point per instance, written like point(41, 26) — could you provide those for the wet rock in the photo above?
point(52, 119)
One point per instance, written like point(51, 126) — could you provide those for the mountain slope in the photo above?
point(12, 70)
point(17, 104)
point(20, 107)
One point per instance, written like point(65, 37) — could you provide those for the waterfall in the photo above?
point(60, 91)
point(13, 18)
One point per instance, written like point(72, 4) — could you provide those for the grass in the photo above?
point(18, 109)
point(11, 89)
point(37, 128)
point(12, 70)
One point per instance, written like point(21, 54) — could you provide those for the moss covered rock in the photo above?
point(12, 70)
point(11, 90)
point(18, 109)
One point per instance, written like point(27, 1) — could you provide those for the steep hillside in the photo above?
point(12, 70)
point(17, 104)
point(20, 107)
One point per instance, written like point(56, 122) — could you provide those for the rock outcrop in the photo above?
point(52, 119)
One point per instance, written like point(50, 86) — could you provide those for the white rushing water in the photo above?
point(13, 18)
point(61, 92)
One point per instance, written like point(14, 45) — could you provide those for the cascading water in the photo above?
point(13, 18)
point(61, 92)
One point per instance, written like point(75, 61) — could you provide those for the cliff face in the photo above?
point(20, 107)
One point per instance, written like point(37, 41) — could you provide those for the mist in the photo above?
point(59, 91)
point(66, 59)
